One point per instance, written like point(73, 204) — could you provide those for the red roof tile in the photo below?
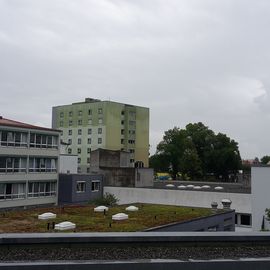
point(12, 123)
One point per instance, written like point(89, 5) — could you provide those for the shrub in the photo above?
point(108, 199)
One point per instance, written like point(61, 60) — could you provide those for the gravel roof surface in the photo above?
point(131, 253)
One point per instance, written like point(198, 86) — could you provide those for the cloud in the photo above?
point(187, 60)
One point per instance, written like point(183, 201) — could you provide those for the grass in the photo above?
point(86, 220)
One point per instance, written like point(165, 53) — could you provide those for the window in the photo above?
point(100, 111)
point(132, 115)
point(89, 121)
point(41, 189)
point(99, 130)
point(69, 150)
point(89, 140)
point(131, 150)
point(70, 122)
point(132, 123)
point(89, 112)
point(79, 113)
point(131, 141)
point(42, 164)
point(122, 131)
point(43, 141)
point(70, 132)
point(81, 186)
point(122, 112)
point(88, 160)
point(69, 141)
point(12, 164)
point(131, 132)
point(122, 141)
point(131, 160)
point(100, 120)
point(17, 139)
point(70, 114)
point(79, 160)
point(79, 122)
point(61, 114)
point(89, 131)
point(245, 220)
point(79, 150)
point(95, 185)
point(99, 140)
point(61, 123)
point(11, 191)
point(79, 141)
point(79, 131)
point(122, 122)
point(88, 150)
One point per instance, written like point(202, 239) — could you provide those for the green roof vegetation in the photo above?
point(86, 220)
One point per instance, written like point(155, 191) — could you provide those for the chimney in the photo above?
point(214, 206)
point(226, 204)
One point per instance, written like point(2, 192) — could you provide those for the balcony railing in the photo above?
point(12, 170)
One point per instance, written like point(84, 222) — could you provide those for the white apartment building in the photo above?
point(28, 164)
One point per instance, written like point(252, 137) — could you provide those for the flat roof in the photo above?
point(12, 123)
point(92, 100)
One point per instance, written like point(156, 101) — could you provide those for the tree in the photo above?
point(173, 145)
point(190, 164)
point(196, 151)
point(160, 163)
point(202, 138)
point(265, 159)
point(225, 156)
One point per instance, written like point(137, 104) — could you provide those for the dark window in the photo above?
point(246, 220)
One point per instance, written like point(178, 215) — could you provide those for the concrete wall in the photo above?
point(119, 177)
point(260, 188)
point(68, 163)
point(110, 159)
point(144, 177)
point(240, 202)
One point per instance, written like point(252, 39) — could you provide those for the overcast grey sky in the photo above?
point(187, 60)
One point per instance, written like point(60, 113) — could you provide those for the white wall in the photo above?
point(240, 202)
point(260, 194)
point(68, 163)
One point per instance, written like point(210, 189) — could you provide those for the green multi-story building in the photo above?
point(94, 124)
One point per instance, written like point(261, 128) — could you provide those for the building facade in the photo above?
point(28, 164)
point(79, 188)
point(117, 171)
point(94, 124)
